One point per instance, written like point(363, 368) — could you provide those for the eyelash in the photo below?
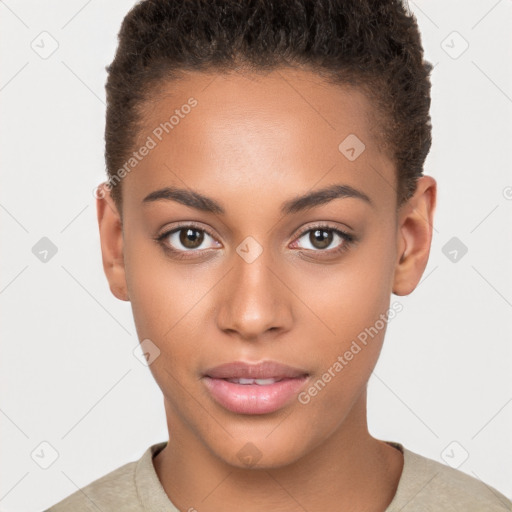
point(348, 239)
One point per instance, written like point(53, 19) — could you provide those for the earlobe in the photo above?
point(112, 245)
point(415, 226)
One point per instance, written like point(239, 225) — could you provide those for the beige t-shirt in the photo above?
point(425, 486)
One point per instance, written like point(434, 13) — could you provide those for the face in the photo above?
point(230, 253)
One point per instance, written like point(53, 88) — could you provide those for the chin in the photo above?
point(265, 449)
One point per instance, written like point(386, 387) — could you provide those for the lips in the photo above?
point(263, 370)
point(260, 388)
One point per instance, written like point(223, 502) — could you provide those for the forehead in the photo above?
point(299, 100)
point(285, 128)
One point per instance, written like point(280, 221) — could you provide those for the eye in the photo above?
point(187, 238)
point(324, 239)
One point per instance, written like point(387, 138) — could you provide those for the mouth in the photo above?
point(259, 382)
point(260, 388)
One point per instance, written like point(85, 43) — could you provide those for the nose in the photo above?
point(255, 304)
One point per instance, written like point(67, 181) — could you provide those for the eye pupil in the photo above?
point(321, 238)
point(189, 239)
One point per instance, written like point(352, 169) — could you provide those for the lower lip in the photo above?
point(253, 398)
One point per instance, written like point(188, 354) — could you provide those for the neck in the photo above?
point(348, 471)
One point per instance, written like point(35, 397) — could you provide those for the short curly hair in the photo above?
point(374, 45)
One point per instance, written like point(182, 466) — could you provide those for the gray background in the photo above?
point(69, 376)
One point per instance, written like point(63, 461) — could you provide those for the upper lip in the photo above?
point(262, 370)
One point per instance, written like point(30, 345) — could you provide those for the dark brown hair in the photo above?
point(372, 44)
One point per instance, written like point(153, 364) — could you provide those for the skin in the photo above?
point(252, 143)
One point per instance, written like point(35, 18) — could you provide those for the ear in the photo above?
point(111, 237)
point(415, 228)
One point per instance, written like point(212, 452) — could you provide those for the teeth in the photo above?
point(265, 382)
point(259, 382)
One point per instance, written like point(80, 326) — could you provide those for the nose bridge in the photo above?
point(253, 301)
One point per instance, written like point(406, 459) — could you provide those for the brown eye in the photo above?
point(188, 239)
point(324, 239)
point(191, 238)
point(321, 238)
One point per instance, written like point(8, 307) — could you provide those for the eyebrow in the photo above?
point(300, 203)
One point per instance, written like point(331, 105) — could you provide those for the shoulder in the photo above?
point(114, 491)
point(427, 485)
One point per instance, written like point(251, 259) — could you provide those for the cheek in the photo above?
point(150, 297)
point(159, 293)
point(351, 296)
point(169, 302)
point(353, 302)
point(151, 288)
